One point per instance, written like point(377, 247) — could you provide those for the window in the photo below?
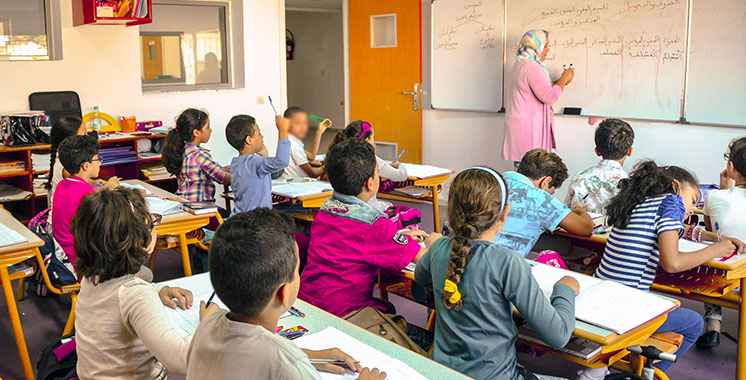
point(186, 47)
point(383, 31)
point(29, 30)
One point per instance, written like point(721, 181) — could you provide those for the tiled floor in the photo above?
point(43, 320)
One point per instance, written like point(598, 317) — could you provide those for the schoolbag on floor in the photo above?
point(58, 360)
point(404, 217)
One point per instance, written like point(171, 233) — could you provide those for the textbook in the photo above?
point(368, 356)
point(199, 208)
point(577, 346)
point(606, 304)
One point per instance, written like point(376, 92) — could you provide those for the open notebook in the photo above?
point(606, 304)
point(692, 246)
point(425, 171)
point(9, 236)
point(368, 356)
point(300, 189)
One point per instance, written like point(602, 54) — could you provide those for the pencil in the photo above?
point(209, 300)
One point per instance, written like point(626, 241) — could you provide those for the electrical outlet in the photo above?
point(259, 100)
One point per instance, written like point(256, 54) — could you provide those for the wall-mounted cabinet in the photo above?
point(123, 12)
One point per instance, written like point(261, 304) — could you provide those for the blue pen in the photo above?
point(399, 156)
point(272, 104)
point(210, 299)
point(586, 196)
point(717, 229)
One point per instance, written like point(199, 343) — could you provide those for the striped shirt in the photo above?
point(631, 256)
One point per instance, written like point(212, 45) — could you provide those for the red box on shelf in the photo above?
point(84, 13)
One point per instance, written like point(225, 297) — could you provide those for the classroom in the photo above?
point(372, 189)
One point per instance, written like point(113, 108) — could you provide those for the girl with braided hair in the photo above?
point(478, 282)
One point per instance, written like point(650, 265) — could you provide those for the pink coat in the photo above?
point(529, 116)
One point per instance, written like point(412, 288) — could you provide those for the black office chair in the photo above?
point(56, 104)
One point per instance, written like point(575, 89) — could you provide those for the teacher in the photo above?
point(530, 94)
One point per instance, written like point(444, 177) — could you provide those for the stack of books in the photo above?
point(12, 167)
point(117, 155)
point(40, 183)
point(155, 172)
point(40, 162)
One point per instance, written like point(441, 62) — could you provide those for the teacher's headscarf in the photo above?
point(532, 44)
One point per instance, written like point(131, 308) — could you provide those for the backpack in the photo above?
point(388, 326)
point(551, 258)
point(404, 217)
point(58, 360)
point(58, 267)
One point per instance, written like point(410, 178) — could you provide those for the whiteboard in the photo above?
point(628, 55)
point(467, 54)
point(717, 77)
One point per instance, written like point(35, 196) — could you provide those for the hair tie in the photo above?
point(366, 129)
point(503, 192)
point(451, 287)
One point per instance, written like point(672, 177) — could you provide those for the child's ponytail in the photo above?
point(63, 128)
point(647, 180)
point(358, 129)
point(476, 200)
point(173, 148)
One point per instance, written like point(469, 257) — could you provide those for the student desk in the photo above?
point(713, 282)
point(317, 320)
point(178, 224)
point(313, 201)
point(432, 183)
point(17, 253)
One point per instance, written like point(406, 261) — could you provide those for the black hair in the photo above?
point(238, 128)
point(62, 128)
point(112, 231)
point(351, 131)
point(349, 165)
point(613, 139)
point(76, 150)
point(737, 155)
point(175, 142)
point(252, 254)
point(537, 163)
point(474, 206)
point(646, 180)
point(292, 110)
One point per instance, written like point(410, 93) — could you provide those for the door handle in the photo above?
point(415, 96)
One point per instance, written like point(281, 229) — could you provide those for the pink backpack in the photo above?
point(404, 217)
point(552, 258)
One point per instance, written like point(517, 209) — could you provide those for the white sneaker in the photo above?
point(592, 373)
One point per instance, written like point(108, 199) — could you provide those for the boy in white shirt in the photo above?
point(254, 271)
point(727, 208)
point(592, 188)
point(299, 166)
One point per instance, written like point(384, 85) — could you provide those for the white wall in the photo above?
point(461, 139)
point(102, 63)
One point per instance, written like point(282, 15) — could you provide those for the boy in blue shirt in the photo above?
point(533, 207)
point(251, 171)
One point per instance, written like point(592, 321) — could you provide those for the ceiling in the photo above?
point(314, 4)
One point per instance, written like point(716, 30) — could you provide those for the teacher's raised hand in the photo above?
point(566, 78)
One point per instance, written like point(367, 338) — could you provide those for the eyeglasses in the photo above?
point(155, 219)
point(96, 159)
point(726, 156)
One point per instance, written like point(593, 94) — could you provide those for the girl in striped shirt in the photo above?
point(648, 217)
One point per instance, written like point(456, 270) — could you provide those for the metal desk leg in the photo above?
point(15, 320)
point(184, 248)
point(741, 363)
point(436, 210)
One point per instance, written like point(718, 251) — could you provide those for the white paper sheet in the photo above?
point(691, 246)
point(368, 356)
point(547, 276)
point(425, 171)
point(9, 236)
point(162, 206)
point(299, 189)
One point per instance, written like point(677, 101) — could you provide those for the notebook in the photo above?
point(425, 171)
point(368, 356)
point(9, 236)
point(606, 304)
point(136, 187)
point(162, 206)
point(693, 246)
point(300, 189)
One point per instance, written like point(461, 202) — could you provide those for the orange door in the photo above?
point(152, 52)
point(385, 62)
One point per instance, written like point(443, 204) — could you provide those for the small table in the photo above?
point(433, 183)
point(713, 282)
point(179, 224)
point(317, 320)
point(11, 255)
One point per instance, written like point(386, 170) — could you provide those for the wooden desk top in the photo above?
point(33, 241)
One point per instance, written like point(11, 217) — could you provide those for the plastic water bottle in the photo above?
point(96, 120)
